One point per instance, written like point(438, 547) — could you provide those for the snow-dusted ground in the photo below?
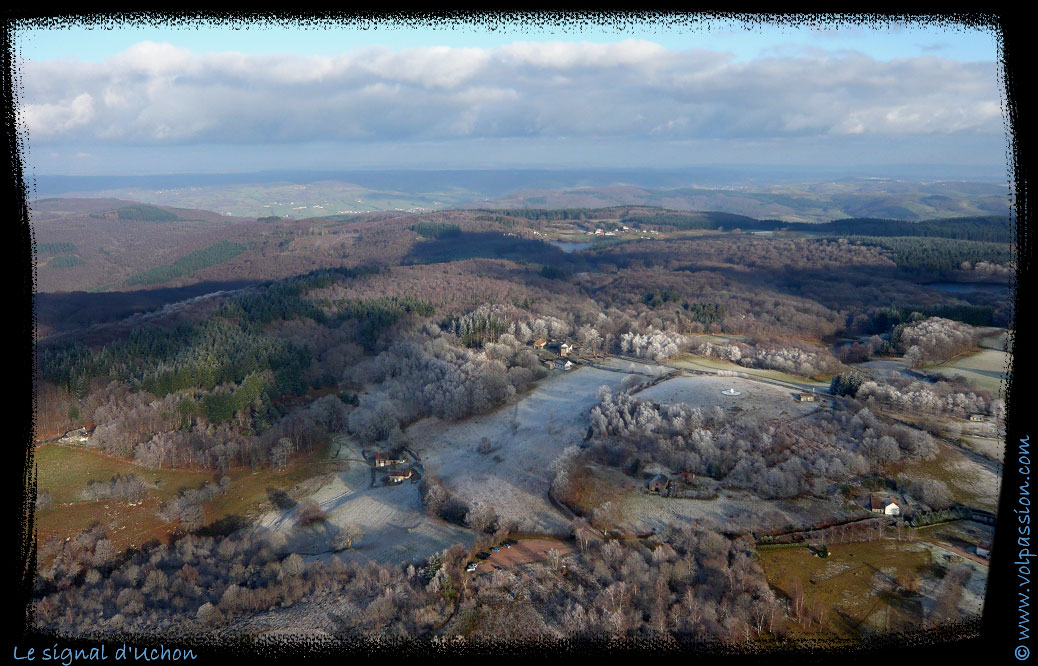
point(391, 521)
point(980, 480)
point(526, 437)
point(881, 367)
point(991, 447)
point(972, 601)
point(705, 391)
point(633, 367)
point(642, 512)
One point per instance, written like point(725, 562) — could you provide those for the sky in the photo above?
point(128, 99)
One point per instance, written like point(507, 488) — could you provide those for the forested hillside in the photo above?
point(238, 428)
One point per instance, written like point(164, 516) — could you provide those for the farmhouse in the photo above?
point(658, 484)
point(806, 397)
point(539, 343)
point(885, 505)
point(563, 364)
point(977, 417)
point(387, 459)
point(399, 475)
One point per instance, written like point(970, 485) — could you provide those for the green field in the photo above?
point(986, 368)
point(857, 585)
point(64, 472)
point(998, 340)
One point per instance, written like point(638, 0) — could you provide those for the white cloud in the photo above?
point(52, 119)
point(160, 94)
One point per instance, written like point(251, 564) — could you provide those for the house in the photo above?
point(887, 506)
point(977, 417)
point(539, 343)
point(387, 459)
point(806, 397)
point(658, 484)
point(688, 477)
point(563, 364)
point(565, 349)
point(399, 475)
point(984, 549)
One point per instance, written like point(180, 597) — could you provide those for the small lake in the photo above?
point(570, 246)
point(967, 287)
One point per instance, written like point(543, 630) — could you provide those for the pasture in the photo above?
point(986, 369)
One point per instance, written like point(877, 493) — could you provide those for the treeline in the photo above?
point(689, 582)
point(476, 329)
point(704, 220)
point(436, 230)
point(546, 215)
point(229, 347)
point(189, 263)
point(429, 376)
point(784, 356)
point(120, 486)
point(808, 456)
point(193, 355)
point(140, 213)
point(555, 273)
point(883, 320)
point(488, 244)
point(286, 299)
point(55, 248)
point(939, 255)
point(146, 214)
point(939, 397)
point(655, 345)
point(375, 316)
point(991, 228)
point(933, 340)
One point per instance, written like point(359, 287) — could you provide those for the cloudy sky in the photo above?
point(157, 100)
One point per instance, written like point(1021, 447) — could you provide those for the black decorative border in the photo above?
point(989, 640)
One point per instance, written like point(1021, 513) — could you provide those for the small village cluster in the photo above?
point(396, 474)
point(554, 354)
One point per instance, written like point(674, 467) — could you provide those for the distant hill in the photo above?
point(792, 196)
point(112, 245)
point(803, 203)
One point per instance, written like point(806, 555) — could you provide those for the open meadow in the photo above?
point(526, 440)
